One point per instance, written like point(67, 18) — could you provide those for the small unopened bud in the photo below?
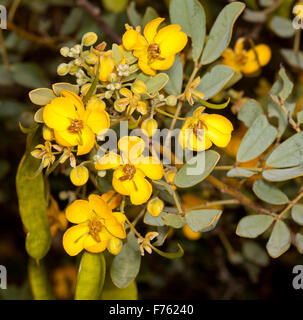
point(48, 133)
point(108, 94)
point(64, 51)
point(89, 38)
point(79, 176)
point(149, 125)
point(114, 246)
point(91, 58)
point(138, 87)
point(155, 206)
point(120, 107)
point(102, 173)
point(63, 69)
point(112, 77)
point(171, 100)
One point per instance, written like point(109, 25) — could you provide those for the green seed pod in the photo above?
point(91, 276)
point(32, 207)
point(39, 282)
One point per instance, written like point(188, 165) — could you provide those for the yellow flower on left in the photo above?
point(73, 124)
point(155, 50)
point(96, 226)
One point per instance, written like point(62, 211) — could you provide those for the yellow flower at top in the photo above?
point(96, 226)
point(73, 124)
point(155, 50)
point(244, 61)
point(201, 130)
point(131, 169)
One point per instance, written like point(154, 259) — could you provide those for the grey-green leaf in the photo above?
point(287, 154)
point(292, 58)
point(126, 264)
point(156, 83)
point(220, 33)
point(279, 240)
point(282, 174)
point(240, 173)
point(257, 139)
point(190, 16)
point(154, 221)
point(269, 193)
point(214, 80)
point(249, 111)
point(196, 169)
point(173, 220)
point(297, 213)
point(175, 74)
point(282, 27)
point(203, 220)
point(254, 225)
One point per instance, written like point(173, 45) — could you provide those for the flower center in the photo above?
point(129, 170)
point(241, 59)
point(197, 127)
point(75, 126)
point(154, 51)
point(95, 226)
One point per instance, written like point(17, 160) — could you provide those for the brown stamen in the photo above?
point(76, 126)
point(198, 126)
point(129, 171)
point(154, 51)
point(95, 227)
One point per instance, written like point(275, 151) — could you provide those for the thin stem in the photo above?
point(297, 41)
point(133, 228)
point(169, 115)
point(13, 9)
point(213, 203)
point(233, 167)
point(291, 204)
point(3, 50)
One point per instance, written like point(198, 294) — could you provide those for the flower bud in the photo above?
point(114, 246)
point(79, 175)
point(101, 173)
point(120, 107)
point(171, 100)
point(85, 88)
point(138, 87)
point(89, 39)
point(112, 77)
point(155, 206)
point(48, 133)
point(63, 69)
point(64, 51)
point(149, 125)
point(91, 58)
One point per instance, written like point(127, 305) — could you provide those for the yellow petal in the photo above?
point(99, 206)
point(87, 141)
point(73, 239)
point(118, 185)
point(131, 147)
point(107, 65)
point(98, 120)
point(109, 161)
point(132, 39)
point(91, 245)
point(164, 64)
point(115, 227)
point(120, 217)
point(141, 190)
point(76, 101)
point(239, 46)
point(151, 167)
point(56, 114)
point(78, 212)
point(65, 138)
point(173, 44)
point(126, 92)
point(151, 28)
point(145, 67)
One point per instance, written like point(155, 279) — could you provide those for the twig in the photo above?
point(224, 188)
point(3, 50)
point(13, 9)
point(291, 204)
point(95, 12)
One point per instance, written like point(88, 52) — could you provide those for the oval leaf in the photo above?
point(57, 87)
point(282, 174)
point(297, 213)
point(196, 169)
point(254, 225)
point(279, 240)
point(203, 220)
point(220, 33)
point(269, 193)
point(214, 80)
point(126, 264)
point(156, 83)
point(41, 96)
point(287, 154)
point(175, 74)
point(190, 16)
point(257, 139)
point(173, 220)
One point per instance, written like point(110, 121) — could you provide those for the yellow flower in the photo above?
point(155, 206)
point(131, 169)
point(202, 130)
point(155, 50)
point(112, 199)
point(96, 225)
point(45, 153)
point(73, 124)
point(244, 61)
point(107, 65)
point(133, 101)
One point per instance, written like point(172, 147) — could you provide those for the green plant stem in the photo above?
point(213, 203)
